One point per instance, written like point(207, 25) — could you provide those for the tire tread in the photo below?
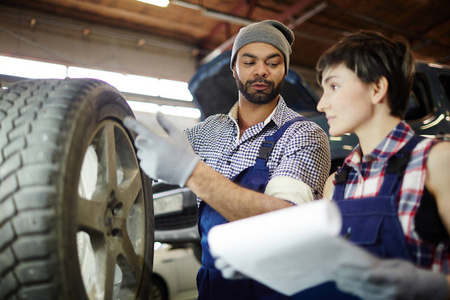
point(31, 120)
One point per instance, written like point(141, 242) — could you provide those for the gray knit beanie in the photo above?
point(268, 31)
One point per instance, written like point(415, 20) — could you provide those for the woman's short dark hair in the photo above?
point(371, 55)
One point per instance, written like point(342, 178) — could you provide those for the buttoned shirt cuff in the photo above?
point(290, 189)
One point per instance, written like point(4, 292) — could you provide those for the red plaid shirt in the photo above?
point(366, 178)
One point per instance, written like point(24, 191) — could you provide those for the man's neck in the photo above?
point(250, 114)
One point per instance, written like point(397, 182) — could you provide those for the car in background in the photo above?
point(175, 211)
point(174, 272)
point(428, 113)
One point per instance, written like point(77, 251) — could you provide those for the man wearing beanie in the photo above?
point(261, 156)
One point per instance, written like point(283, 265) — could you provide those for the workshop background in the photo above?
point(150, 54)
point(130, 37)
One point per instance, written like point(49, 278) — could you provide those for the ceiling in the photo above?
point(209, 25)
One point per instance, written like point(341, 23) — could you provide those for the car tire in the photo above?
point(76, 213)
point(159, 289)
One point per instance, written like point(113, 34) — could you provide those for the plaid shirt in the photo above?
point(301, 153)
point(367, 175)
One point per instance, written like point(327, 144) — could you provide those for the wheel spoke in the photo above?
point(107, 156)
point(105, 263)
point(91, 215)
point(111, 163)
point(131, 264)
point(129, 190)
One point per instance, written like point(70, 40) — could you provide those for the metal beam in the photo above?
point(222, 25)
point(287, 15)
point(230, 18)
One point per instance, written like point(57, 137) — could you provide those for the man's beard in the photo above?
point(259, 97)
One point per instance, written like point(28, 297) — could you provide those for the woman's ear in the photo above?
point(380, 89)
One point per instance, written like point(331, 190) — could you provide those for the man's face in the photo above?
point(259, 72)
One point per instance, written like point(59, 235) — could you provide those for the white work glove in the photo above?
point(392, 279)
point(228, 271)
point(169, 158)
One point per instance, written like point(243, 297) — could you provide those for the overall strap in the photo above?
point(394, 171)
point(340, 181)
point(396, 167)
point(269, 142)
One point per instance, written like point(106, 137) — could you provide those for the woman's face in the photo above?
point(346, 100)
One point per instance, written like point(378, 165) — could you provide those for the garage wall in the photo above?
point(32, 35)
point(37, 36)
point(65, 41)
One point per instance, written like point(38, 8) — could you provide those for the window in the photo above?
point(445, 83)
point(420, 103)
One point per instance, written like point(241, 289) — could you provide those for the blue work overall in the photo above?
point(210, 283)
point(370, 222)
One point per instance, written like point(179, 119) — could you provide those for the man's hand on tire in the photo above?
point(169, 158)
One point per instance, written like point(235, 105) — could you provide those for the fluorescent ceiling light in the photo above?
point(140, 85)
point(180, 111)
point(143, 106)
point(174, 90)
point(31, 69)
point(128, 83)
point(161, 3)
point(113, 78)
point(149, 86)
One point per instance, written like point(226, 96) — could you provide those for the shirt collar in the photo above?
point(390, 145)
point(276, 115)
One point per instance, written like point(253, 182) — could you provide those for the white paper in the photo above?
point(290, 249)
